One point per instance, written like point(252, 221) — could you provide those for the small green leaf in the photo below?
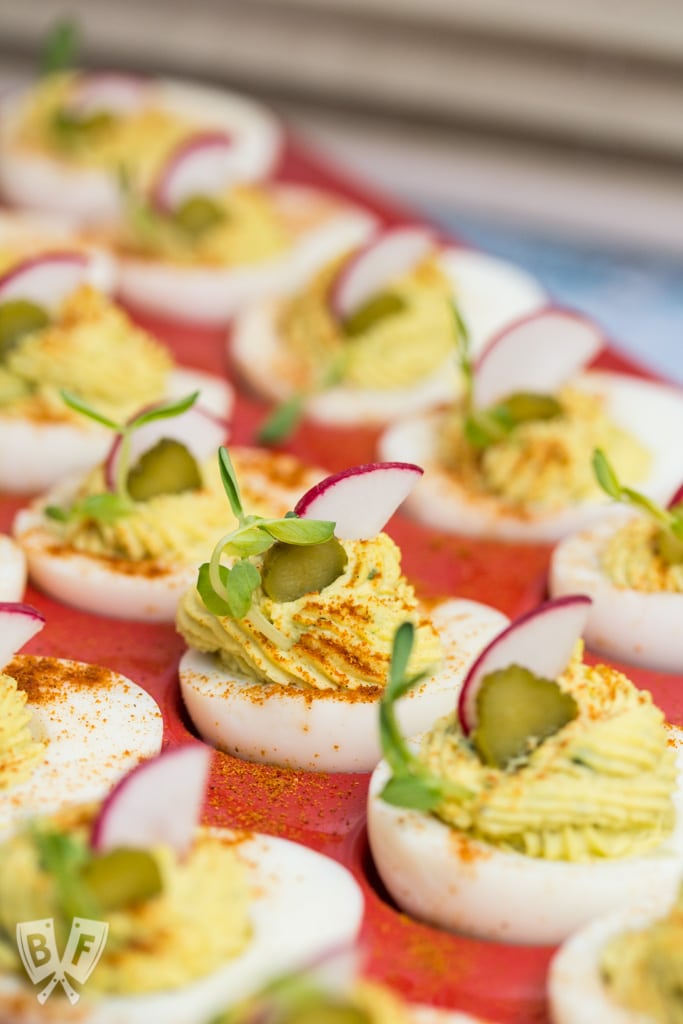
point(213, 603)
point(106, 507)
point(282, 422)
point(605, 475)
point(247, 542)
point(230, 483)
point(61, 47)
point(419, 793)
point(242, 581)
point(63, 857)
point(57, 513)
point(163, 412)
point(299, 531)
point(404, 638)
point(78, 405)
point(482, 429)
point(461, 329)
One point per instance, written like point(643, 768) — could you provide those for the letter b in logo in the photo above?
point(38, 949)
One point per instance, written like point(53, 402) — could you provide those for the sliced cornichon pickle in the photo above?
point(167, 468)
point(292, 570)
point(375, 309)
point(197, 214)
point(72, 129)
point(17, 318)
point(669, 547)
point(526, 405)
point(516, 711)
point(325, 1012)
point(122, 877)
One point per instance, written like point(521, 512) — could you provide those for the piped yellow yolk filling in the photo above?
point(92, 349)
point(394, 351)
point(196, 924)
point(600, 787)
point(19, 752)
point(341, 637)
point(631, 560)
point(544, 462)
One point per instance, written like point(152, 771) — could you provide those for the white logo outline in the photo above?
point(84, 947)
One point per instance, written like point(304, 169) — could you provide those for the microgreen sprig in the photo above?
point(60, 47)
point(410, 785)
point(670, 520)
point(286, 417)
point(228, 590)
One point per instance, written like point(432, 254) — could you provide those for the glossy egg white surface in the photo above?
point(302, 902)
point(34, 454)
point(322, 228)
point(575, 989)
point(627, 624)
point(12, 570)
point(147, 591)
point(490, 294)
point(440, 876)
point(653, 413)
point(97, 726)
point(298, 728)
point(39, 181)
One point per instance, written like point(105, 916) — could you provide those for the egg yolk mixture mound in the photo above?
point(544, 462)
point(409, 339)
point(601, 786)
point(295, 998)
point(89, 349)
point(643, 970)
point(631, 560)
point(19, 753)
point(140, 140)
point(341, 636)
point(190, 929)
point(245, 227)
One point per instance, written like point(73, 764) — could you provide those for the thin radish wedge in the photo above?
point(542, 641)
point(199, 430)
point(360, 500)
point(676, 498)
point(110, 92)
point(18, 623)
point(538, 353)
point(201, 165)
point(374, 266)
point(159, 803)
point(46, 279)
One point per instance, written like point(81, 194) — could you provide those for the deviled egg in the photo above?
point(373, 336)
point(290, 639)
point(512, 459)
point(64, 140)
point(552, 794)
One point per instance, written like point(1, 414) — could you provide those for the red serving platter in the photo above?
point(327, 812)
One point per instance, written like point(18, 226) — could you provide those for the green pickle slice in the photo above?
point(123, 877)
point(17, 318)
point(523, 406)
point(292, 570)
point(516, 711)
point(375, 309)
point(669, 547)
point(167, 468)
point(198, 214)
point(326, 1013)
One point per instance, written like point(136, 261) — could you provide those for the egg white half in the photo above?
point(34, 454)
point(653, 413)
point(575, 989)
point(462, 885)
point(298, 728)
point(490, 293)
point(146, 591)
point(627, 624)
point(322, 228)
point(302, 902)
point(41, 182)
point(12, 570)
point(97, 726)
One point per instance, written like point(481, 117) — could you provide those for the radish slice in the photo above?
point(46, 279)
point(360, 500)
point(18, 623)
point(376, 265)
point(199, 430)
point(537, 353)
point(107, 92)
point(159, 803)
point(541, 641)
point(677, 498)
point(201, 165)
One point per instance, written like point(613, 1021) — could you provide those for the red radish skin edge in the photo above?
point(677, 498)
point(219, 140)
point(28, 264)
point(101, 841)
point(467, 700)
point(306, 500)
point(33, 623)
